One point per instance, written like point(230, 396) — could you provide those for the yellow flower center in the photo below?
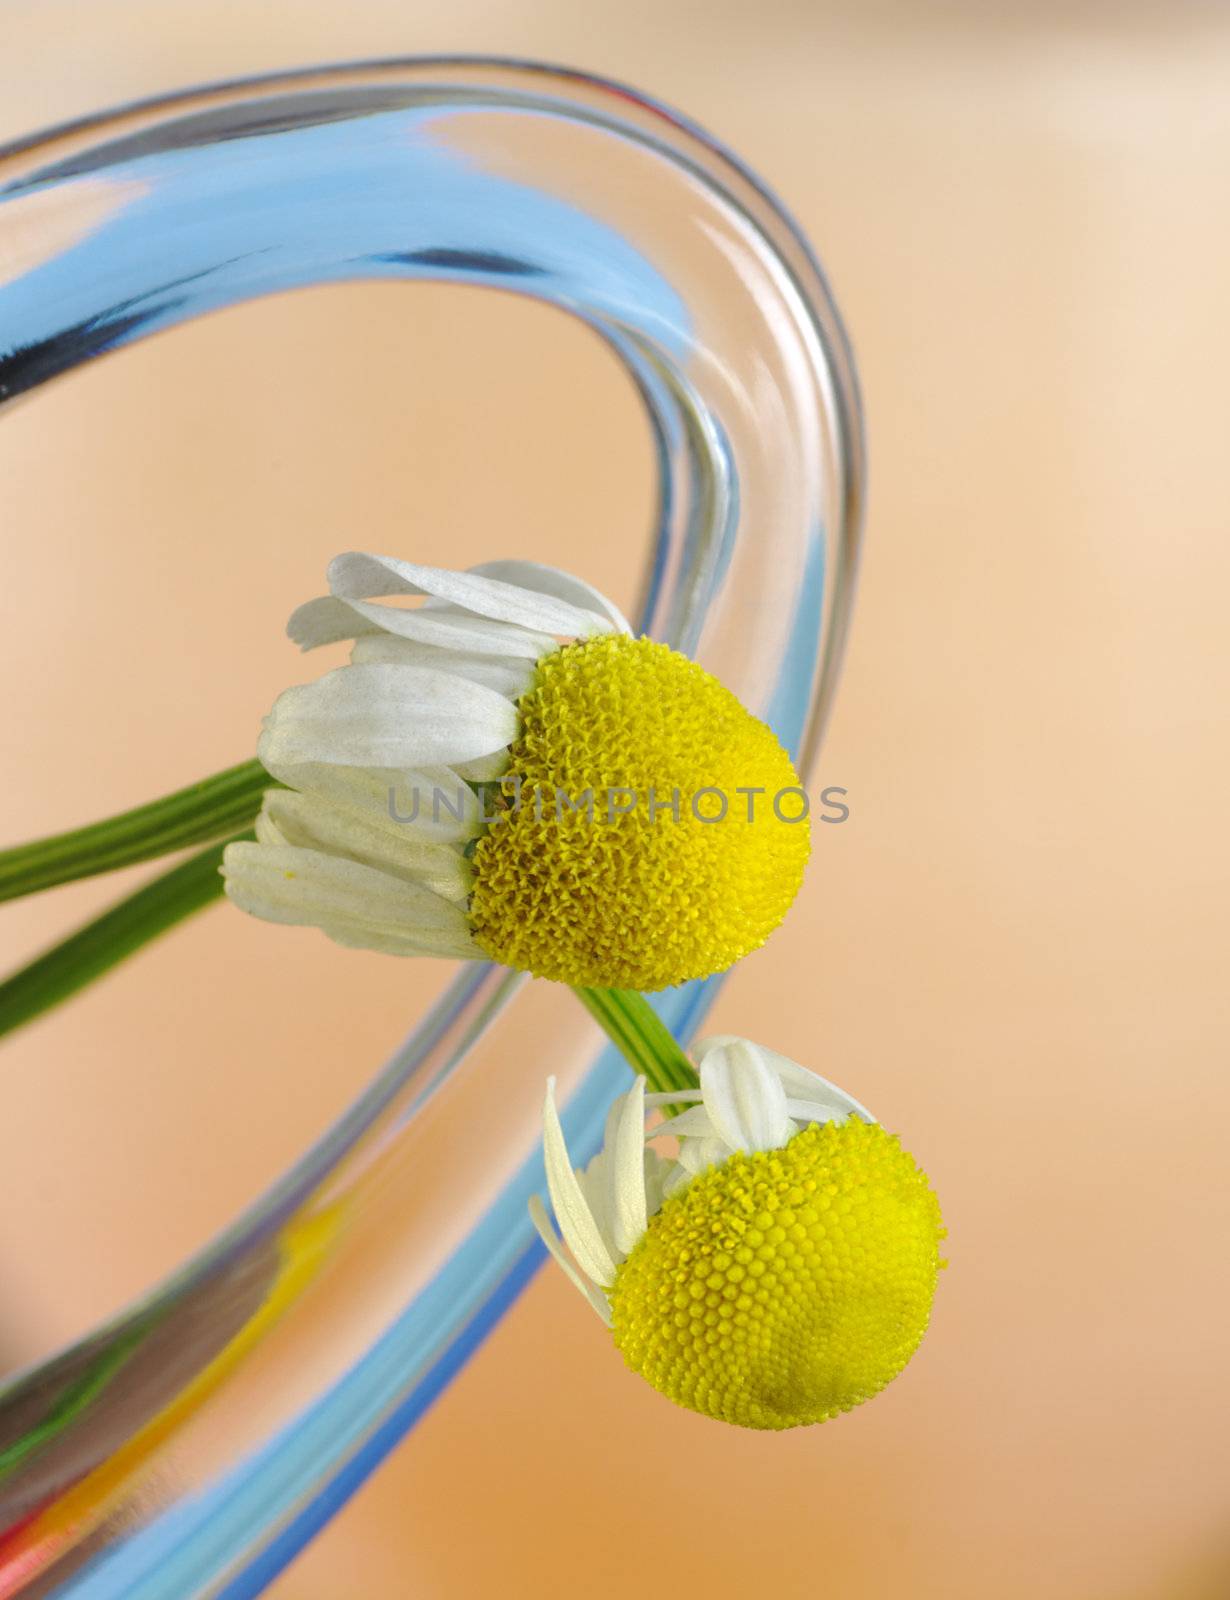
point(787, 1286)
point(630, 853)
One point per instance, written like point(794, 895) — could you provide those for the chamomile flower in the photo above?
point(779, 1269)
point(505, 772)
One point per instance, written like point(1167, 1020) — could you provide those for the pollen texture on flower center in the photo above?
point(787, 1286)
point(625, 895)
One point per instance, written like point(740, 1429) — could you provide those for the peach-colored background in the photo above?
point(1015, 950)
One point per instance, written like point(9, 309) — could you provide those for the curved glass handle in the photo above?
point(194, 1444)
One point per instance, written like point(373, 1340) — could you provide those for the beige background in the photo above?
point(1016, 948)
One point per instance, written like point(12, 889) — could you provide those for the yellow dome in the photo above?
point(641, 888)
point(787, 1286)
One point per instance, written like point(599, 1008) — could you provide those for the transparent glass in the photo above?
point(191, 1446)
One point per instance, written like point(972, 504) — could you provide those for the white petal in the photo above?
point(431, 803)
point(629, 1216)
point(595, 1181)
point(365, 936)
point(744, 1097)
point(803, 1085)
point(799, 1082)
point(657, 1171)
point(313, 824)
point(352, 902)
point(595, 1184)
point(386, 716)
point(805, 1111)
point(695, 1155)
point(484, 769)
point(507, 675)
point(691, 1155)
point(549, 1237)
point(267, 830)
point(328, 619)
point(674, 1180)
point(553, 581)
point(715, 1041)
point(695, 1124)
point(356, 575)
point(434, 803)
point(575, 1219)
point(598, 1181)
point(672, 1097)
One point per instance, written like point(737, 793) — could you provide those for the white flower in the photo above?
point(749, 1099)
point(504, 772)
point(382, 758)
point(780, 1271)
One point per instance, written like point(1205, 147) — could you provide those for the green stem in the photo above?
point(103, 943)
point(641, 1036)
point(211, 809)
point(74, 1400)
